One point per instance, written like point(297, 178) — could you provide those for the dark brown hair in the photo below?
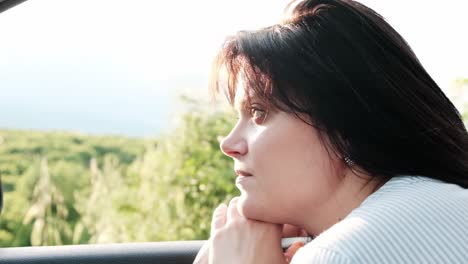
point(345, 67)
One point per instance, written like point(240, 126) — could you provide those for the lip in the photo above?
point(242, 173)
point(240, 180)
point(242, 177)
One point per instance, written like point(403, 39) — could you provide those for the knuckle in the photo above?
point(237, 223)
point(219, 235)
point(233, 201)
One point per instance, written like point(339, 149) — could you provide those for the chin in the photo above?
point(249, 207)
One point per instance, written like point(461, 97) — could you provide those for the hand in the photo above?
point(288, 255)
point(220, 214)
point(236, 239)
point(293, 231)
point(204, 252)
point(288, 231)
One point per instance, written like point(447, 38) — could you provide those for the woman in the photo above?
point(341, 134)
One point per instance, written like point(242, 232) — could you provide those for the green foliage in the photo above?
point(169, 192)
point(186, 176)
point(68, 188)
point(66, 158)
point(459, 94)
point(48, 212)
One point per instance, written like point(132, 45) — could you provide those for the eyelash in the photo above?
point(257, 118)
point(254, 112)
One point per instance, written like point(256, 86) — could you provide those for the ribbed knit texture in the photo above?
point(408, 220)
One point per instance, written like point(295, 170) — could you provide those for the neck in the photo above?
point(350, 193)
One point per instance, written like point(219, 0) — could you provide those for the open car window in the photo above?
point(107, 133)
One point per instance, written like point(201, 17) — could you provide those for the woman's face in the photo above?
point(290, 173)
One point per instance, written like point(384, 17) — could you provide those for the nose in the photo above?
point(234, 145)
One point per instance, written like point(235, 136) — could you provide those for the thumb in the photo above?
point(292, 250)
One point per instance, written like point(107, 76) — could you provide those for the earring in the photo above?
point(348, 161)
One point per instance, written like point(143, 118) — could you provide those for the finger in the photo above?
point(203, 254)
point(232, 212)
point(304, 233)
point(290, 230)
point(219, 218)
point(292, 250)
point(293, 231)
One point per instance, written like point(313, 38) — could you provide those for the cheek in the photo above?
point(314, 176)
point(295, 157)
point(294, 173)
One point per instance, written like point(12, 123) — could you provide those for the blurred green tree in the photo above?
point(458, 93)
point(48, 212)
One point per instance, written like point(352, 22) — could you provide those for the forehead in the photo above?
point(243, 95)
point(240, 97)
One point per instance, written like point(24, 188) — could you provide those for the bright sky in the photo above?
point(70, 54)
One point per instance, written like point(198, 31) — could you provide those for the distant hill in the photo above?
point(20, 148)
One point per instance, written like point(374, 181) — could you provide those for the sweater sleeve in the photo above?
point(320, 256)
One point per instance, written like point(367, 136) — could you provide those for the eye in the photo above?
point(257, 114)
